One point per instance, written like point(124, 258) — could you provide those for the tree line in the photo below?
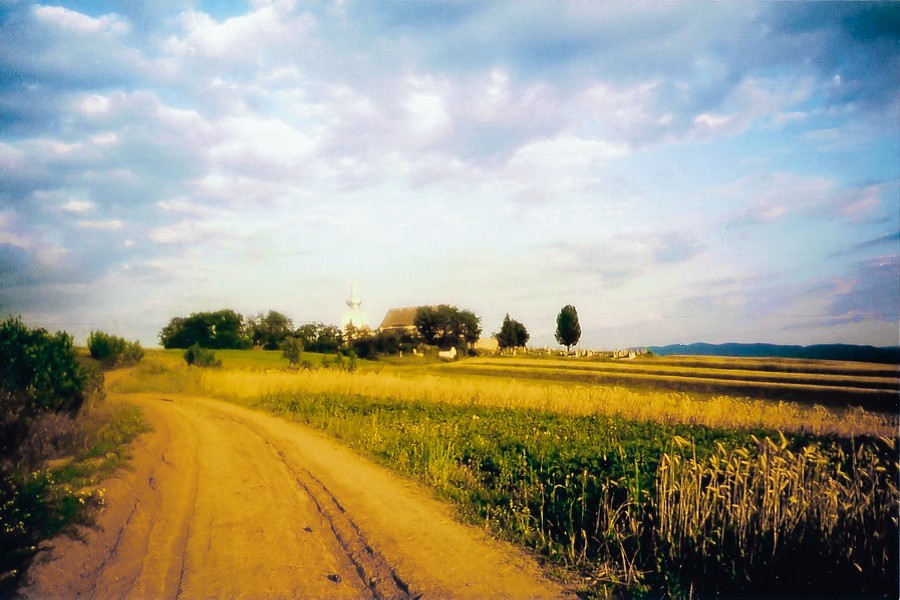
point(443, 326)
point(227, 329)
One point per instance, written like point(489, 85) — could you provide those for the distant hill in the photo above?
point(886, 355)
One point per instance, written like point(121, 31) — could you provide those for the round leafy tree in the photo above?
point(512, 334)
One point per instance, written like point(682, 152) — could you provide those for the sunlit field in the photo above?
point(464, 390)
point(874, 387)
point(630, 491)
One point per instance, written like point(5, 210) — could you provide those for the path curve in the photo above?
point(224, 501)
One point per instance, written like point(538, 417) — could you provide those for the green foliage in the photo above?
point(389, 343)
point(217, 330)
point(512, 334)
point(269, 331)
point(446, 326)
point(112, 350)
point(364, 347)
point(590, 492)
point(292, 349)
point(319, 337)
point(41, 368)
point(568, 329)
point(199, 356)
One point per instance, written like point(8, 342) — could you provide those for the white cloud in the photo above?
point(628, 113)
point(564, 156)
point(95, 104)
point(255, 144)
point(75, 21)
point(78, 206)
point(109, 138)
point(15, 239)
point(427, 116)
point(712, 122)
point(107, 225)
point(767, 197)
point(540, 156)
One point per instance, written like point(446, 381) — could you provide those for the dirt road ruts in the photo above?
point(223, 501)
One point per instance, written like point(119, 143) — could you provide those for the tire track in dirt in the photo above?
point(223, 501)
point(372, 568)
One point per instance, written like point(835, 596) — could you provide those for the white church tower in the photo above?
point(353, 315)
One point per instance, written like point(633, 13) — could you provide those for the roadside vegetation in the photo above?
point(58, 439)
point(112, 351)
point(632, 492)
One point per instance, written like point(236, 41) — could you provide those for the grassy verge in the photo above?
point(645, 507)
point(41, 503)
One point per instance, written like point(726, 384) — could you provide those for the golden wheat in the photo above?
point(666, 407)
point(761, 501)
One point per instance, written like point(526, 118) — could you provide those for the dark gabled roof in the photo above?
point(397, 318)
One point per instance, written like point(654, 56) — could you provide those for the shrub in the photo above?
point(42, 384)
point(292, 349)
point(133, 353)
point(366, 348)
point(40, 370)
point(201, 357)
point(112, 350)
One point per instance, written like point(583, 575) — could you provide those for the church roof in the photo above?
point(397, 318)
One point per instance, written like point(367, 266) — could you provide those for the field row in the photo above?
point(782, 365)
point(872, 393)
point(729, 371)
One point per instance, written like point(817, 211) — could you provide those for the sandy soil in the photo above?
point(222, 501)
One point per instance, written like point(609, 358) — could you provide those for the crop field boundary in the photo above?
point(872, 393)
point(735, 372)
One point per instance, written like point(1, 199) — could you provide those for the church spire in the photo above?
point(353, 301)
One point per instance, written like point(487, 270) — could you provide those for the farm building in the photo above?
point(488, 344)
point(399, 320)
point(402, 320)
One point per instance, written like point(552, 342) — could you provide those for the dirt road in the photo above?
point(223, 501)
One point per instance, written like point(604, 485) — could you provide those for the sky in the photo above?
point(679, 172)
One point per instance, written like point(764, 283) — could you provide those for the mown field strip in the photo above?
point(784, 365)
point(641, 368)
point(871, 399)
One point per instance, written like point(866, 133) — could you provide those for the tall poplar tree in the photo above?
point(568, 330)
